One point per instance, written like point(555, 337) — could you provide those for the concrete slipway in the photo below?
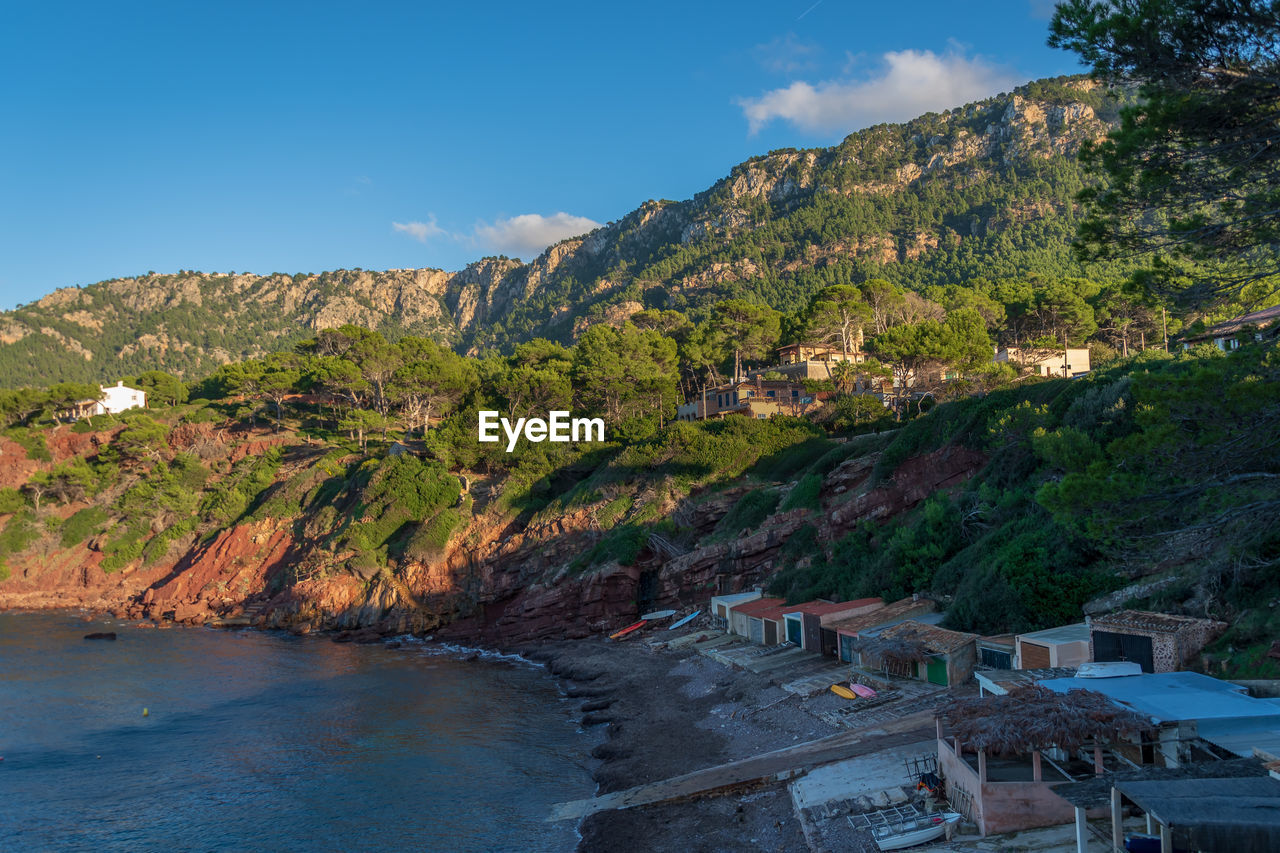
point(878, 777)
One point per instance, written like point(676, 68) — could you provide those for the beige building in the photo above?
point(1042, 362)
point(1064, 646)
point(754, 398)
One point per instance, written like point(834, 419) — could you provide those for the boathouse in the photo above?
point(804, 621)
point(1158, 642)
point(851, 628)
point(1067, 645)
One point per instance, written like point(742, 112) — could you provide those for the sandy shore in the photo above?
point(672, 712)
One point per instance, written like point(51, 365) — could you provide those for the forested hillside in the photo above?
point(346, 487)
point(968, 199)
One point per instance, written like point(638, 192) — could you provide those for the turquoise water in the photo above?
point(262, 741)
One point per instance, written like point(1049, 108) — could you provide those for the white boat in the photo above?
point(898, 829)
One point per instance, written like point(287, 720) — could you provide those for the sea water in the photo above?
point(200, 739)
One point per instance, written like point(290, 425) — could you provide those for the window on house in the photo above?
point(760, 416)
point(770, 393)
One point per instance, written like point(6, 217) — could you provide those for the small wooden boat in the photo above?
point(898, 829)
point(685, 621)
point(862, 690)
point(842, 691)
point(627, 630)
point(657, 614)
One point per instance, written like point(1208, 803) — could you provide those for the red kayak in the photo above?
point(627, 630)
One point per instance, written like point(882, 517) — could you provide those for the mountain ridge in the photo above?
point(966, 188)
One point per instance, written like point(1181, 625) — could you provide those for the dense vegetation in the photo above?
point(1154, 467)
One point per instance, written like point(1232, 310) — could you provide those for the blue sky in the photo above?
point(299, 137)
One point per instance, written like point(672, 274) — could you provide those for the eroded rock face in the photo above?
point(509, 584)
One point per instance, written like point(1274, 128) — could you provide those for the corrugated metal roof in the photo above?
point(734, 598)
point(1244, 737)
point(1241, 815)
point(1078, 633)
point(1095, 791)
point(1174, 696)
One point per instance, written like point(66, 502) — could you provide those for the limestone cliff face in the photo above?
point(977, 142)
point(190, 322)
point(482, 290)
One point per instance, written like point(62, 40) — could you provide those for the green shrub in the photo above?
point(622, 545)
point(32, 441)
point(125, 547)
point(93, 423)
point(19, 533)
point(157, 546)
point(615, 509)
point(806, 494)
point(432, 536)
point(395, 494)
point(787, 462)
point(82, 525)
point(750, 511)
point(11, 500)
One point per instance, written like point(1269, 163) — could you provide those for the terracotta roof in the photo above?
point(822, 608)
point(937, 640)
point(1144, 620)
point(762, 608)
point(998, 640)
point(901, 609)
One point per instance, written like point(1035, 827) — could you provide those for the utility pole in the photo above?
point(1164, 323)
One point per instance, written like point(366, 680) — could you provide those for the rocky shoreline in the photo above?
point(668, 713)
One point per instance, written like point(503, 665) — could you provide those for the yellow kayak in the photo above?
point(841, 690)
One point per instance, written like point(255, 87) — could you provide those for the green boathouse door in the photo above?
point(793, 632)
point(937, 671)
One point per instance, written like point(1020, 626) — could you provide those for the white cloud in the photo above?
point(787, 55)
point(420, 231)
point(912, 82)
point(528, 234)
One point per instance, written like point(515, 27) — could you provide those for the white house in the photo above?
point(117, 398)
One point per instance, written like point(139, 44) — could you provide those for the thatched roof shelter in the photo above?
point(893, 651)
point(1033, 718)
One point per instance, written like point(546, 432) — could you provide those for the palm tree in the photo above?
point(844, 374)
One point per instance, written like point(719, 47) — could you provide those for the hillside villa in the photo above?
point(1229, 335)
point(754, 398)
point(1045, 362)
point(114, 400)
